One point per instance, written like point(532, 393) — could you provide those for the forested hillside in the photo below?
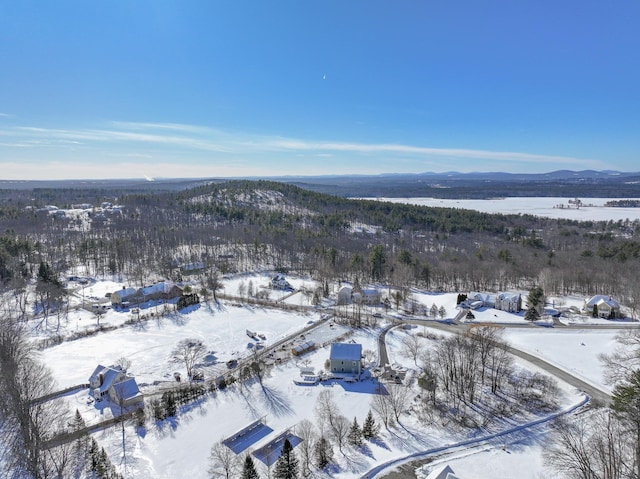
point(240, 225)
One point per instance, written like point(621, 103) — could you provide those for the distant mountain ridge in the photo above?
point(451, 184)
point(562, 183)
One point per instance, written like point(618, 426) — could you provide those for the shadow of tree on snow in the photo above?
point(276, 402)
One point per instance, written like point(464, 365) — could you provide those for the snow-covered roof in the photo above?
point(508, 296)
point(346, 351)
point(370, 292)
point(127, 389)
point(125, 293)
point(161, 287)
point(105, 377)
point(602, 299)
point(486, 297)
point(444, 472)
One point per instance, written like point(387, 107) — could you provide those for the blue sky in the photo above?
point(255, 88)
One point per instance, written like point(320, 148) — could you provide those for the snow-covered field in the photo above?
point(593, 209)
point(180, 447)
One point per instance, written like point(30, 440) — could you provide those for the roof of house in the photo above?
point(370, 292)
point(161, 287)
point(486, 297)
point(193, 266)
point(346, 351)
point(509, 296)
point(602, 299)
point(125, 293)
point(444, 472)
point(127, 389)
point(109, 376)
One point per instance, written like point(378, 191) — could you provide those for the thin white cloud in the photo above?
point(217, 152)
point(298, 145)
point(111, 136)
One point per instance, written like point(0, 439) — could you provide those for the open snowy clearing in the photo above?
point(593, 209)
point(179, 447)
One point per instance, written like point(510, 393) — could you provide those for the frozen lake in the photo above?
point(592, 209)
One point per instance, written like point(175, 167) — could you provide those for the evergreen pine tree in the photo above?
point(355, 434)
point(81, 445)
point(102, 469)
point(249, 469)
point(169, 404)
point(287, 464)
point(370, 429)
point(94, 456)
point(323, 453)
point(531, 314)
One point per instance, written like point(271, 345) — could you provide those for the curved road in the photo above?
point(597, 396)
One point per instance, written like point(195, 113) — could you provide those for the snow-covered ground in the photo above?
point(593, 209)
point(180, 447)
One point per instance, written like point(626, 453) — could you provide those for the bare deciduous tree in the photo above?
point(382, 407)
point(306, 431)
point(223, 462)
point(398, 397)
point(188, 351)
point(590, 448)
point(340, 426)
point(325, 410)
point(412, 347)
point(624, 359)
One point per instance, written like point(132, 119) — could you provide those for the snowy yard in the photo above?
point(179, 447)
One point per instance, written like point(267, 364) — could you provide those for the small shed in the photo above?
point(302, 348)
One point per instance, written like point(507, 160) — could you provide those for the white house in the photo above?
point(346, 358)
point(488, 299)
point(111, 382)
point(606, 307)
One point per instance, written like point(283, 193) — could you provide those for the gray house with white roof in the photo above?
point(346, 358)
